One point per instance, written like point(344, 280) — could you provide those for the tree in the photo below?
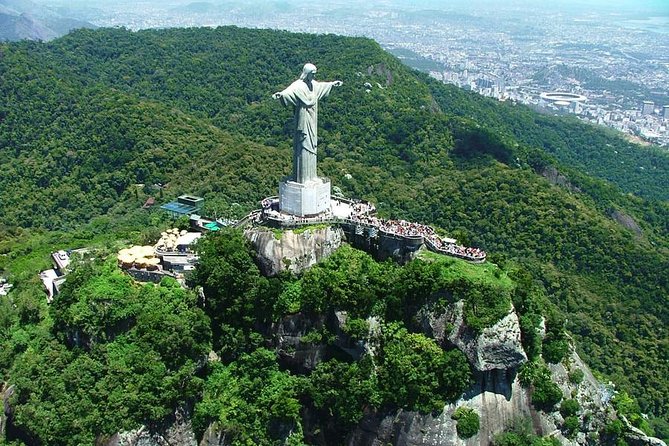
point(251, 401)
point(467, 422)
point(343, 391)
point(415, 373)
point(236, 297)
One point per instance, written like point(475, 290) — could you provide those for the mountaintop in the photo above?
point(95, 122)
point(23, 19)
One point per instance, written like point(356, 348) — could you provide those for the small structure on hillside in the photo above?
point(62, 260)
point(52, 283)
point(175, 248)
point(176, 241)
point(5, 286)
point(54, 278)
point(183, 205)
point(141, 263)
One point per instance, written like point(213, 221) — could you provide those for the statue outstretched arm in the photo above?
point(337, 83)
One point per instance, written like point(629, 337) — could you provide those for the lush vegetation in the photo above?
point(94, 123)
point(252, 401)
point(468, 422)
point(107, 355)
point(545, 393)
point(410, 370)
point(521, 433)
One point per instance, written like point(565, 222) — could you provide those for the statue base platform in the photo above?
point(304, 199)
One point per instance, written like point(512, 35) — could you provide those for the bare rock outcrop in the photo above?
point(636, 437)
point(176, 429)
point(293, 251)
point(296, 351)
point(558, 179)
point(626, 221)
point(496, 347)
point(496, 396)
point(6, 393)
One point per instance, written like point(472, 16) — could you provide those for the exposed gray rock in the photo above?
point(6, 393)
point(213, 436)
point(380, 69)
point(499, 399)
point(636, 437)
point(497, 347)
point(496, 396)
point(626, 221)
point(294, 251)
point(176, 430)
point(294, 352)
point(342, 340)
point(555, 177)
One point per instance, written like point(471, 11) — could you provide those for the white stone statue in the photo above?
point(304, 94)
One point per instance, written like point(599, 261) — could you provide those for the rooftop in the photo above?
point(179, 208)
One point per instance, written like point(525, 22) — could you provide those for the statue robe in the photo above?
point(305, 140)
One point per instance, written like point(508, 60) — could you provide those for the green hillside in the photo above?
point(91, 121)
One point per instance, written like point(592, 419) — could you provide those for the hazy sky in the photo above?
point(660, 6)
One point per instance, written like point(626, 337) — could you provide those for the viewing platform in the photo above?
point(359, 218)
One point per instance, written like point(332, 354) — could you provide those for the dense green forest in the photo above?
point(110, 354)
point(95, 122)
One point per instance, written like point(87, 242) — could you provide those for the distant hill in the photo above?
point(22, 19)
point(197, 8)
point(235, 7)
point(91, 121)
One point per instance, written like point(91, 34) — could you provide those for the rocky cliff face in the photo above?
point(496, 348)
point(175, 430)
point(496, 396)
point(295, 351)
point(495, 355)
point(293, 251)
point(6, 411)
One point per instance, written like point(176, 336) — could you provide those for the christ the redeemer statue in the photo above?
point(304, 95)
point(305, 193)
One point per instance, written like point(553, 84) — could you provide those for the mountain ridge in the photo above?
point(24, 19)
point(93, 120)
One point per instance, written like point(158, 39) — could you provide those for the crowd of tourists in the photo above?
point(437, 244)
point(362, 213)
point(405, 228)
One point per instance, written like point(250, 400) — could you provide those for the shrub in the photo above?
point(289, 301)
point(546, 393)
point(554, 350)
point(416, 374)
point(576, 376)
point(614, 428)
point(468, 422)
point(357, 329)
point(571, 425)
point(569, 408)
point(628, 406)
point(521, 433)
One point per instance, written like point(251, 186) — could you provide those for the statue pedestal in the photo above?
point(304, 199)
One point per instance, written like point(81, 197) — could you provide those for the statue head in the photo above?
point(308, 71)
